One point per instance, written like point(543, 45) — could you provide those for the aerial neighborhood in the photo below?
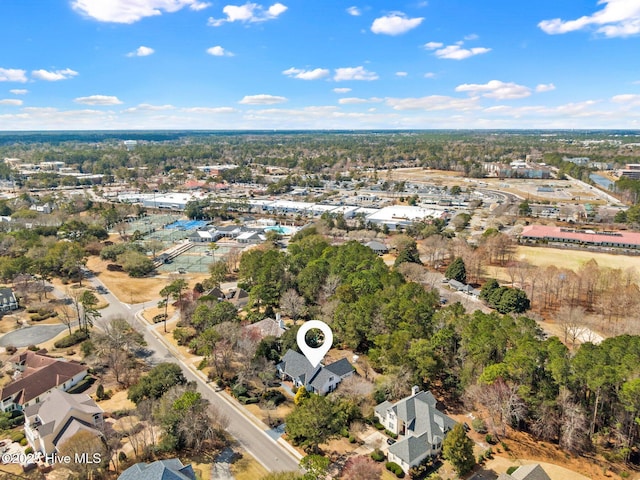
point(481, 292)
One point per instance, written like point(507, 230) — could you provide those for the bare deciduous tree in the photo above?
point(292, 304)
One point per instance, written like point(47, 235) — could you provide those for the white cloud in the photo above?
point(401, 74)
point(433, 45)
point(219, 51)
point(496, 89)
point(98, 100)
point(13, 75)
point(141, 51)
point(262, 99)
point(146, 107)
point(430, 75)
point(618, 18)
point(55, 75)
point(433, 103)
point(248, 13)
point(315, 74)
point(341, 90)
point(354, 73)
point(11, 101)
point(627, 99)
point(395, 24)
point(456, 52)
point(130, 11)
point(355, 11)
point(19, 91)
point(471, 36)
point(197, 6)
point(210, 110)
point(545, 87)
point(358, 101)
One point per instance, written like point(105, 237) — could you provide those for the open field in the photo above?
point(135, 290)
point(573, 259)
point(563, 190)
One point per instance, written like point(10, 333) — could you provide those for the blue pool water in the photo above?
point(281, 229)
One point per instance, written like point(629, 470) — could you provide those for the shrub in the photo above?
point(379, 426)
point(17, 436)
point(391, 434)
point(73, 339)
point(395, 469)
point(488, 454)
point(504, 446)
point(239, 390)
point(344, 432)
point(511, 469)
point(100, 392)
point(28, 450)
point(479, 425)
point(23, 441)
point(87, 348)
point(352, 439)
point(43, 314)
point(490, 439)
point(377, 455)
point(159, 318)
point(122, 457)
point(11, 349)
point(275, 396)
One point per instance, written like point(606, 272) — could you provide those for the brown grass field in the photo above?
point(135, 290)
point(574, 259)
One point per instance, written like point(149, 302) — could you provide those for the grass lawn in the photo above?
point(247, 468)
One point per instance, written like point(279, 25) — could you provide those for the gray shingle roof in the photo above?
point(530, 472)
point(170, 469)
point(296, 366)
point(423, 421)
point(410, 449)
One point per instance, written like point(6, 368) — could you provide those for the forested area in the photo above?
point(307, 152)
point(584, 398)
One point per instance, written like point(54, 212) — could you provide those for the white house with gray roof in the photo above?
point(58, 417)
point(419, 424)
point(321, 380)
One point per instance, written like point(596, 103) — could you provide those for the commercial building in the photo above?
point(612, 239)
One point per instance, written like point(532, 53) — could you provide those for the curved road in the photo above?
point(273, 455)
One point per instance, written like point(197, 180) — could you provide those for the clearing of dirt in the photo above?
point(559, 464)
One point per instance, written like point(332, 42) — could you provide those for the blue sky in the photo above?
point(319, 64)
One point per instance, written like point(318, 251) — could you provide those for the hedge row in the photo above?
point(73, 339)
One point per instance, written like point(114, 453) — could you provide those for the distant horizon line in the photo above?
point(302, 130)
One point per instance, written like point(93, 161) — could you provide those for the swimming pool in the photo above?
point(281, 229)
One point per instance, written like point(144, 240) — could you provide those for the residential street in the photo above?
point(271, 454)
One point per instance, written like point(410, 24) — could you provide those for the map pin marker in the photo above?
point(315, 355)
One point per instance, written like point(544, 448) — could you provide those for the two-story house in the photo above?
point(58, 417)
point(419, 424)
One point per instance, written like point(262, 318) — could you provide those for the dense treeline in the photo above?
point(580, 399)
point(310, 152)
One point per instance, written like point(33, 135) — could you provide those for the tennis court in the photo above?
point(186, 225)
point(195, 260)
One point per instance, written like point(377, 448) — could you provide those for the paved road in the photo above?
point(271, 454)
point(33, 335)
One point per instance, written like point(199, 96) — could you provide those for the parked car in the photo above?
point(390, 441)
